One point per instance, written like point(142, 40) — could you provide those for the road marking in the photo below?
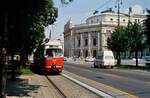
point(98, 92)
point(109, 88)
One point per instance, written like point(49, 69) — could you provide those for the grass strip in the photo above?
point(24, 71)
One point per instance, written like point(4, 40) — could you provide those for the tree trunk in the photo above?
point(130, 54)
point(2, 72)
point(23, 59)
point(141, 54)
point(125, 54)
point(118, 58)
point(13, 78)
point(136, 56)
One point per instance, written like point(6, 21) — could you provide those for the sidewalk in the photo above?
point(34, 86)
point(38, 86)
point(19, 88)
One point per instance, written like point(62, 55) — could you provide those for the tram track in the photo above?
point(56, 87)
point(68, 88)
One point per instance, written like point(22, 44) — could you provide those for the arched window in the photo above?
point(124, 20)
point(91, 21)
point(79, 53)
point(86, 42)
point(94, 53)
point(94, 41)
point(79, 43)
point(86, 53)
point(111, 19)
point(97, 20)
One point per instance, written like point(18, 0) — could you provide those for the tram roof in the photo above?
point(53, 43)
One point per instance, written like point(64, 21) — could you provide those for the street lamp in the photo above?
point(118, 3)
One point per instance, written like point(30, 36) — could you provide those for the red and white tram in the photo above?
point(49, 56)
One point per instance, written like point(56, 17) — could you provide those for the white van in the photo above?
point(104, 59)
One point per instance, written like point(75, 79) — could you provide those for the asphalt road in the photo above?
point(134, 82)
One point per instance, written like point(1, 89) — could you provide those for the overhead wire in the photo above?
point(100, 7)
point(105, 3)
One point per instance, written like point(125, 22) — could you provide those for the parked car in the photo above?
point(89, 59)
point(104, 59)
point(64, 58)
point(134, 59)
point(147, 59)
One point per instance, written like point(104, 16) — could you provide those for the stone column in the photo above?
point(102, 41)
point(89, 44)
point(98, 41)
point(71, 44)
point(75, 44)
point(81, 45)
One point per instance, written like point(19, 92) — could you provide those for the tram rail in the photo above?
point(57, 88)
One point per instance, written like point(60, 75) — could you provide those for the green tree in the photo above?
point(128, 30)
point(22, 25)
point(26, 24)
point(117, 42)
point(147, 28)
point(136, 39)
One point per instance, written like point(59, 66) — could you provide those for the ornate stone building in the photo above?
point(87, 39)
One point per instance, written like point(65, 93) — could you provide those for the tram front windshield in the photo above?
point(53, 52)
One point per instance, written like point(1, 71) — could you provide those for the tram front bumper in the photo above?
point(54, 68)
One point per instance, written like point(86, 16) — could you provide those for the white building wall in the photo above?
point(100, 23)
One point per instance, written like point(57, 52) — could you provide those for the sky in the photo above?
point(80, 10)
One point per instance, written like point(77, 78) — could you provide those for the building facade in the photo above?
point(87, 39)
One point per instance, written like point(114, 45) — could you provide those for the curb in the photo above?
point(94, 90)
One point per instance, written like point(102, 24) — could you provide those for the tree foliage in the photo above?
point(66, 1)
point(26, 20)
point(129, 38)
point(137, 39)
point(147, 28)
point(117, 42)
point(22, 25)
